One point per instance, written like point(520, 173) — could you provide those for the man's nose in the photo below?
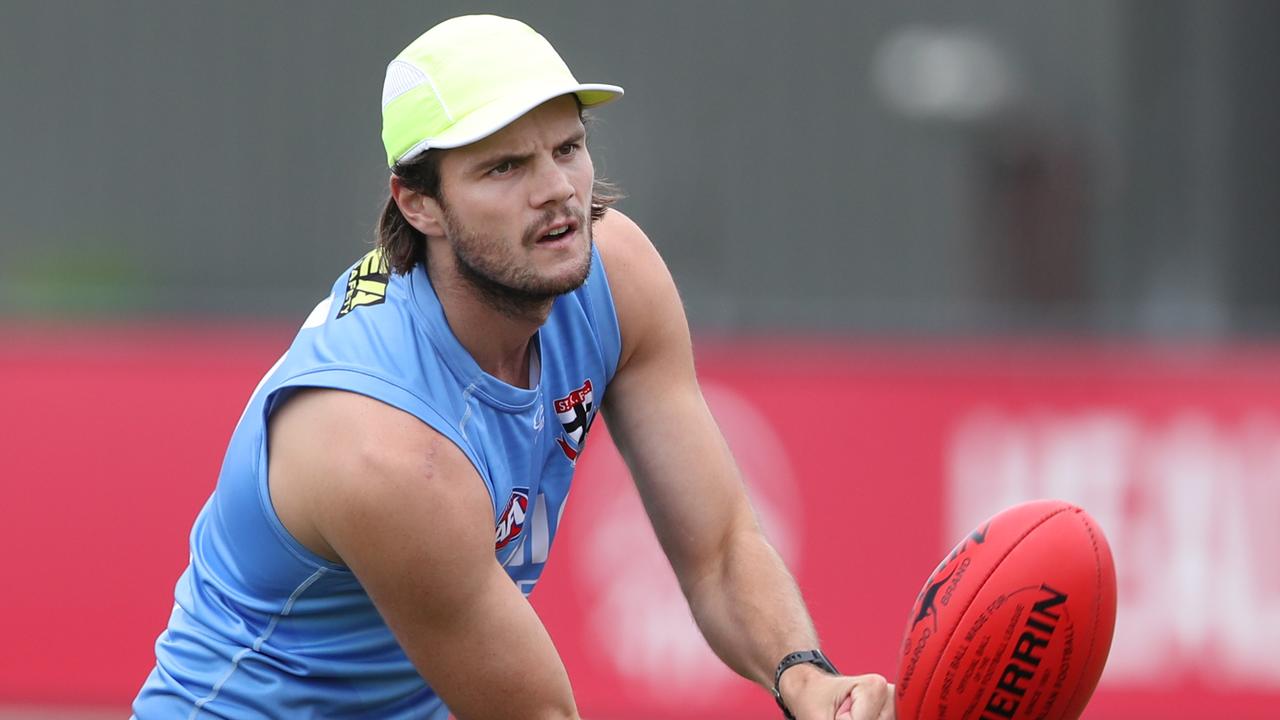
point(551, 185)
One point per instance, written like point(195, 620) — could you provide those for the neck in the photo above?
point(495, 332)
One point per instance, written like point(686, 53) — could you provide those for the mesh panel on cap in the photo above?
point(401, 78)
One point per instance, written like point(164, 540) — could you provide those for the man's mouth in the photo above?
point(557, 232)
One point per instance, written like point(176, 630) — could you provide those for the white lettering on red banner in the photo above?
point(1189, 504)
point(565, 404)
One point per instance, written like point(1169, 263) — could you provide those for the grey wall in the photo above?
point(165, 158)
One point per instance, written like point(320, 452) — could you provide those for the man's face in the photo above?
point(516, 207)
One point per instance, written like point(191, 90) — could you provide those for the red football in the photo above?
point(1015, 623)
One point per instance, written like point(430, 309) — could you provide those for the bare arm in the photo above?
point(743, 598)
point(373, 487)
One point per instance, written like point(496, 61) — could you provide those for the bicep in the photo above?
point(403, 508)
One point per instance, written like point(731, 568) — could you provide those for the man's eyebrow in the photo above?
point(515, 158)
point(491, 161)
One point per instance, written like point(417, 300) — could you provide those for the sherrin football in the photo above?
point(1015, 623)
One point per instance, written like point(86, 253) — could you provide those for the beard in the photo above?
point(489, 266)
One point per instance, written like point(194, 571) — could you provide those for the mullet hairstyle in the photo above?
point(404, 246)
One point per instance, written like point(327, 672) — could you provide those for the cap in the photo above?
point(469, 77)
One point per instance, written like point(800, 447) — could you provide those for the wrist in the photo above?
point(795, 673)
point(795, 679)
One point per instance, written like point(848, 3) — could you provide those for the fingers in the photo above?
point(858, 697)
point(872, 699)
point(889, 712)
point(845, 711)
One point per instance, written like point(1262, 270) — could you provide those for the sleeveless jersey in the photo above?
point(263, 627)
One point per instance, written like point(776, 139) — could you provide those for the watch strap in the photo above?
point(811, 657)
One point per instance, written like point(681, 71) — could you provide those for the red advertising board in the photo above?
point(864, 463)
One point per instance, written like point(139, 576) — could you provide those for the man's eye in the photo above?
point(568, 148)
point(502, 168)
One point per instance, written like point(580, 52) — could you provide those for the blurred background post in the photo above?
point(938, 258)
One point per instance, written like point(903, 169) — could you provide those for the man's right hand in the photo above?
point(870, 698)
point(812, 694)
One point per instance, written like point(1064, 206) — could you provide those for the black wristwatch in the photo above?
point(813, 657)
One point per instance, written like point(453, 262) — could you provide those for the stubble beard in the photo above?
point(486, 264)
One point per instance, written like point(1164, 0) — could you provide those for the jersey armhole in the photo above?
point(361, 382)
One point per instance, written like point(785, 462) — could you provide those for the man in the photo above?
point(389, 497)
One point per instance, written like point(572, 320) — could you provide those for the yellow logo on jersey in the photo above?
point(367, 283)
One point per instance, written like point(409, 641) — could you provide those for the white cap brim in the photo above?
point(500, 113)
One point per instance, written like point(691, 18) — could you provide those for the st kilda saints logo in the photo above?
point(575, 412)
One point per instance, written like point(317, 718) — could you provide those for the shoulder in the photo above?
point(630, 258)
point(345, 466)
point(644, 294)
point(368, 327)
point(351, 428)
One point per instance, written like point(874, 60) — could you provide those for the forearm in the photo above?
point(748, 607)
point(479, 656)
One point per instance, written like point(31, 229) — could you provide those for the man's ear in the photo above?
point(423, 212)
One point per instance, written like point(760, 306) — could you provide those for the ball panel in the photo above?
point(950, 591)
point(1104, 617)
point(1015, 652)
point(1015, 623)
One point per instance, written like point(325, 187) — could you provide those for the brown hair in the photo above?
point(403, 246)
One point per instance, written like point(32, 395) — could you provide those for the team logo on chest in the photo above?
point(575, 412)
point(512, 521)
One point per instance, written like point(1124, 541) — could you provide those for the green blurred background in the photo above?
point(989, 167)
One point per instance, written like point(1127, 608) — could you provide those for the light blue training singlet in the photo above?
point(263, 627)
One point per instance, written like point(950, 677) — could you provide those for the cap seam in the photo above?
point(439, 97)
